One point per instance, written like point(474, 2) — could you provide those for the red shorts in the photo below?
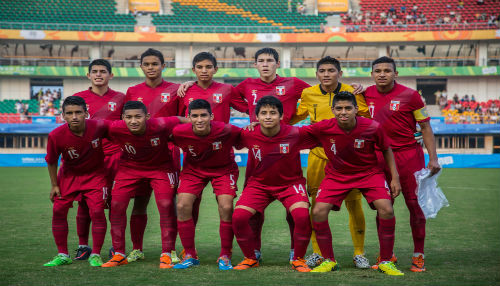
point(408, 161)
point(176, 156)
point(95, 199)
point(111, 166)
point(164, 185)
point(223, 185)
point(258, 196)
point(329, 193)
point(69, 183)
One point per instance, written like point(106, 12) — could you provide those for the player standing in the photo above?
point(398, 109)
point(160, 98)
point(208, 157)
point(146, 164)
point(274, 150)
point(81, 176)
point(316, 102)
point(103, 103)
point(349, 142)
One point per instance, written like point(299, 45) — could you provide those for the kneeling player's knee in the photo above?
point(60, 211)
point(319, 214)
point(226, 209)
point(241, 217)
point(301, 216)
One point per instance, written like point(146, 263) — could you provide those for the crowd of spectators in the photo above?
point(467, 110)
point(46, 100)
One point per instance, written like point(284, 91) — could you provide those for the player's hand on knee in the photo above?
point(181, 91)
point(54, 191)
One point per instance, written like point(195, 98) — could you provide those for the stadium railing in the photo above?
point(69, 61)
point(66, 27)
point(418, 27)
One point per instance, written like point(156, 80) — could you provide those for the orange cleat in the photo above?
point(246, 264)
point(394, 260)
point(117, 260)
point(417, 264)
point(166, 261)
point(300, 265)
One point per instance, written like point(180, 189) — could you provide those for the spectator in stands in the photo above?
point(480, 2)
point(403, 9)
point(445, 94)
point(442, 102)
point(455, 98)
point(415, 8)
point(472, 98)
point(389, 21)
point(460, 4)
point(466, 98)
point(289, 4)
point(392, 10)
point(383, 15)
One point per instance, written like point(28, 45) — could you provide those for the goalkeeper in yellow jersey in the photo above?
point(316, 103)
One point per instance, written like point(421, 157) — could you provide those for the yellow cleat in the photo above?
point(389, 268)
point(326, 266)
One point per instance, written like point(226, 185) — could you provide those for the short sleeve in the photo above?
point(128, 95)
point(237, 101)
point(240, 88)
point(362, 106)
point(52, 153)
point(299, 86)
point(307, 137)
point(302, 111)
point(168, 123)
point(381, 139)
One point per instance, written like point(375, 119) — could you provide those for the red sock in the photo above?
point(118, 221)
point(186, 233)
point(168, 224)
point(83, 223)
point(256, 222)
point(324, 239)
point(243, 232)
point(417, 224)
point(60, 227)
point(196, 209)
point(99, 227)
point(138, 224)
point(386, 237)
point(226, 238)
point(302, 231)
point(291, 226)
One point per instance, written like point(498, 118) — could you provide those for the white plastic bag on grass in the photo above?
point(430, 197)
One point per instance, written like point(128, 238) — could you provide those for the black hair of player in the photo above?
point(100, 62)
point(199, 104)
point(74, 100)
point(271, 101)
point(328, 61)
point(134, 105)
point(269, 51)
point(383, 60)
point(155, 53)
point(204, 56)
point(344, 96)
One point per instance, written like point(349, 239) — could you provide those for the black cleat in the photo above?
point(83, 253)
point(111, 252)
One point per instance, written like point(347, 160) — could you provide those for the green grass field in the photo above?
point(463, 242)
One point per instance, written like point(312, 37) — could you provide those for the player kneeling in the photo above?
point(350, 143)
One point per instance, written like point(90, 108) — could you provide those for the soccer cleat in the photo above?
point(95, 260)
point(83, 253)
point(389, 268)
point(59, 260)
point(326, 266)
point(111, 252)
point(247, 263)
point(224, 263)
point(135, 255)
point(394, 260)
point(173, 256)
point(166, 261)
point(360, 261)
point(187, 262)
point(258, 255)
point(314, 260)
point(292, 253)
point(117, 260)
point(300, 265)
point(417, 264)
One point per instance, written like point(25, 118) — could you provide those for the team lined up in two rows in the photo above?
point(350, 156)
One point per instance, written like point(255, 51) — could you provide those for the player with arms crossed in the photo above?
point(81, 176)
point(349, 142)
point(146, 160)
point(398, 109)
point(274, 151)
point(208, 157)
point(103, 103)
point(316, 102)
point(160, 98)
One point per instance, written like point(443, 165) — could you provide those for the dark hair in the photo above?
point(199, 104)
point(204, 56)
point(74, 100)
point(344, 96)
point(269, 51)
point(135, 105)
point(271, 101)
point(153, 52)
point(328, 60)
point(383, 60)
point(100, 62)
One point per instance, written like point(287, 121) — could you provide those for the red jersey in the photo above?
point(275, 161)
point(106, 107)
point(398, 111)
point(351, 155)
point(287, 89)
point(220, 96)
point(144, 152)
point(161, 101)
point(210, 155)
point(80, 154)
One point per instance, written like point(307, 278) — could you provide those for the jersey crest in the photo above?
point(359, 143)
point(155, 141)
point(280, 90)
point(165, 97)
point(139, 99)
point(217, 145)
point(284, 148)
point(394, 105)
point(111, 106)
point(217, 97)
point(190, 99)
point(95, 143)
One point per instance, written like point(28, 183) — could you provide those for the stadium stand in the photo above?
point(73, 15)
point(237, 16)
point(468, 111)
point(394, 15)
